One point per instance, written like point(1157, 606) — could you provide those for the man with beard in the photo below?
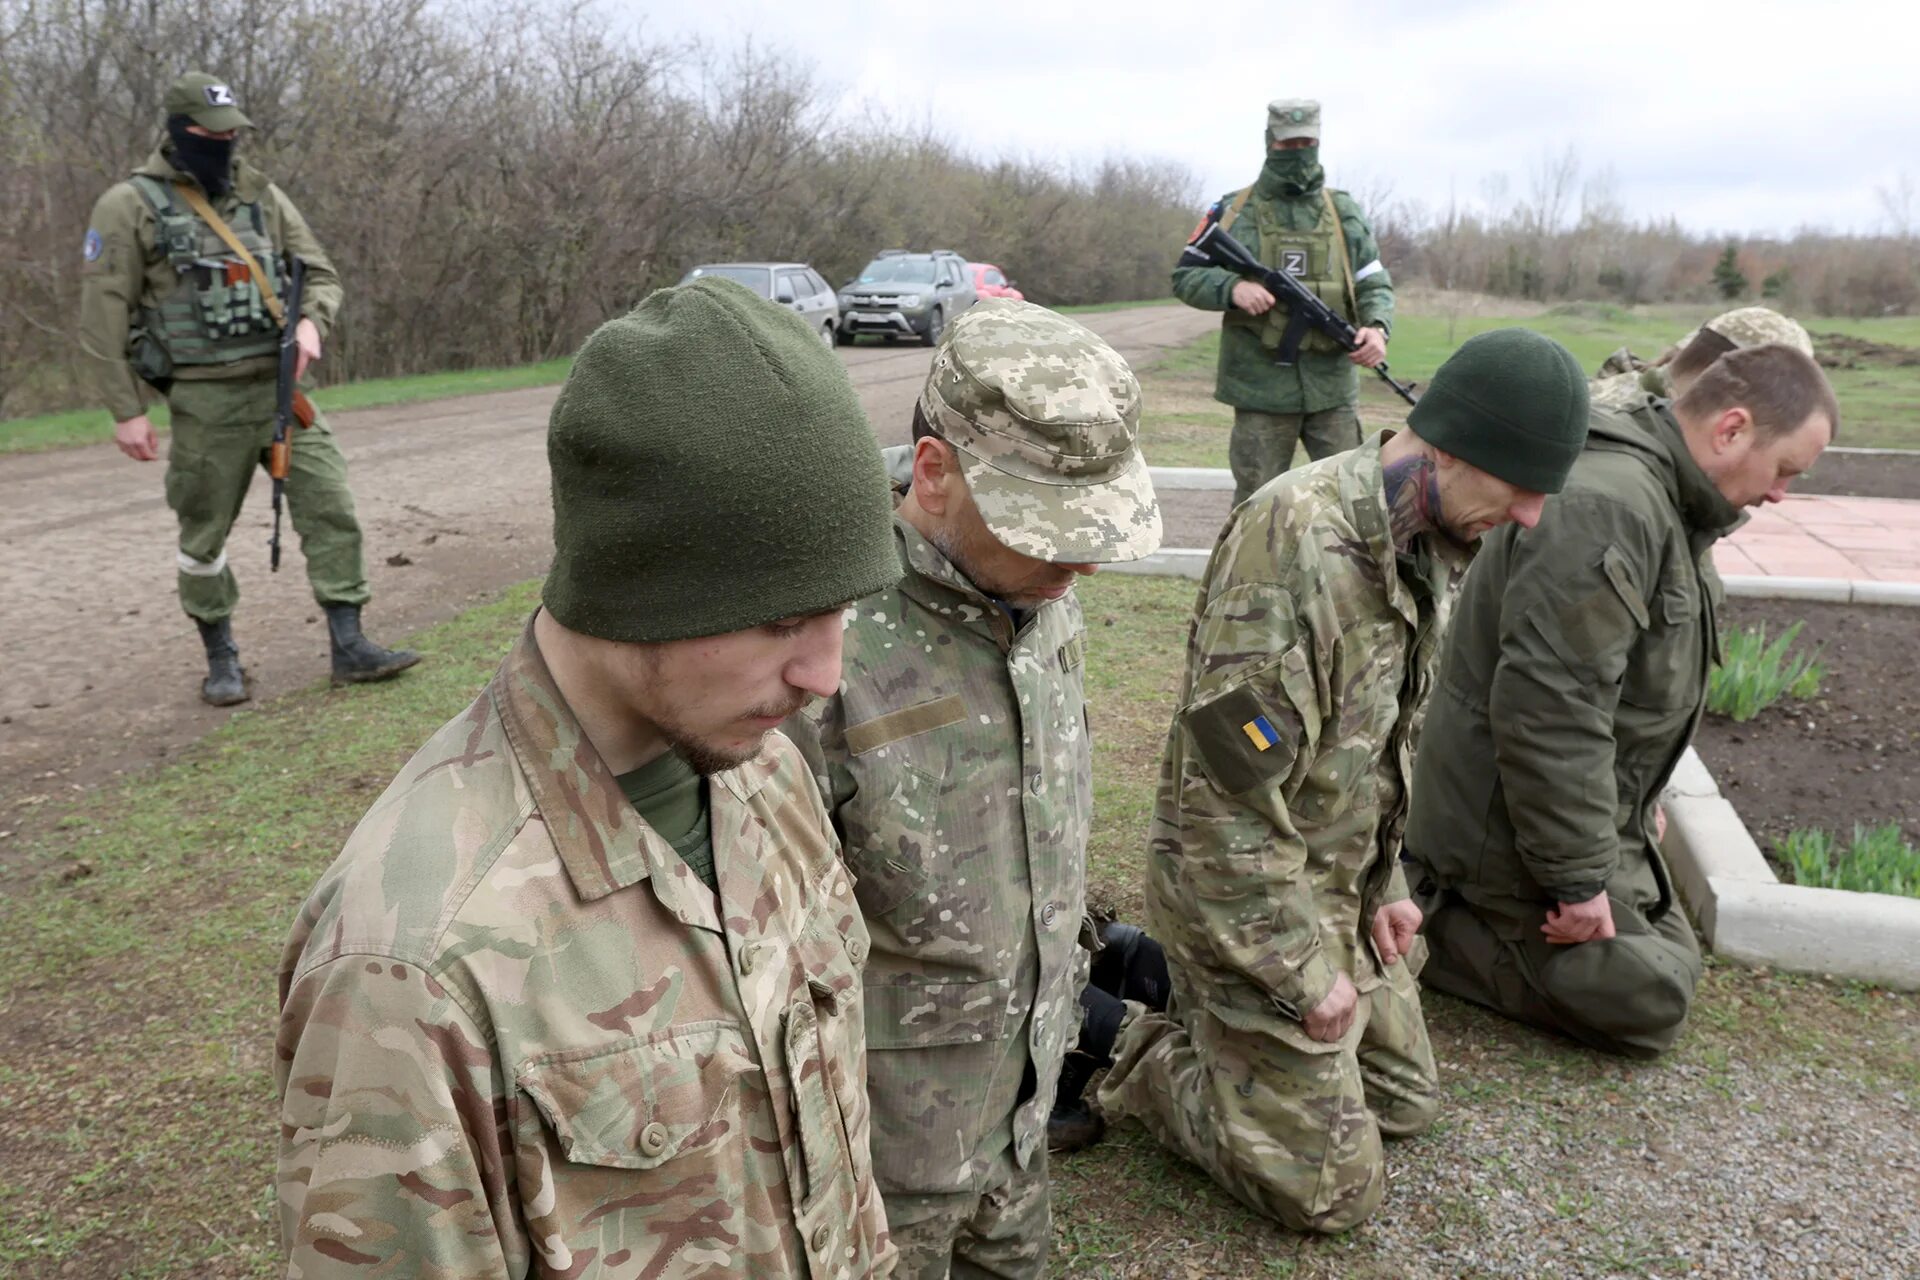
point(956, 765)
point(1292, 221)
point(582, 993)
point(180, 289)
point(1572, 682)
point(1294, 1038)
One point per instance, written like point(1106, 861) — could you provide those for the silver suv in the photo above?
point(907, 295)
point(791, 284)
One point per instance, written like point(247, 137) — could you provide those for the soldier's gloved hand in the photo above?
point(1372, 349)
point(306, 336)
point(136, 439)
point(1254, 299)
point(1394, 927)
point(1329, 1020)
point(1571, 922)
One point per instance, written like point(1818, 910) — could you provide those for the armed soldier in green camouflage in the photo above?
point(956, 765)
point(1294, 1037)
point(168, 301)
point(582, 994)
point(1292, 221)
point(1624, 380)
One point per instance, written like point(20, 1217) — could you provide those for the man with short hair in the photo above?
point(1574, 676)
point(1294, 1036)
point(956, 765)
point(1292, 221)
point(181, 287)
point(582, 993)
point(1624, 378)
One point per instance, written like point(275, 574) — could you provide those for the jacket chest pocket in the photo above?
point(1664, 671)
point(824, 1048)
point(900, 760)
point(648, 1146)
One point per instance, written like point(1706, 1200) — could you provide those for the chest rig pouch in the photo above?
point(1316, 257)
point(215, 312)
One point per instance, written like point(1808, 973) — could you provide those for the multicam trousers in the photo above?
point(1004, 1230)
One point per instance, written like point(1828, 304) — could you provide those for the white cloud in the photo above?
point(1762, 116)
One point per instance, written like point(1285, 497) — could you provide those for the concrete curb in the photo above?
point(1749, 916)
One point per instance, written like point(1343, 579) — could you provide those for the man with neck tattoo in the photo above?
point(1292, 221)
point(184, 267)
point(1294, 1039)
point(956, 764)
point(581, 996)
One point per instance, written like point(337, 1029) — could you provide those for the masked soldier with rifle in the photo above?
point(1292, 221)
point(185, 286)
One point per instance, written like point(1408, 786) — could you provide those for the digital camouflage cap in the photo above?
point(1293, 118)
point(208, 101)
point(1756, 326)
point(1045, 419)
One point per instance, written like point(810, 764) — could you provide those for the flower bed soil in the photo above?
point(1863, 475)
point(1849, 754)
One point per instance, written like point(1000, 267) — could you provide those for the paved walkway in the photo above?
point(1811, 536)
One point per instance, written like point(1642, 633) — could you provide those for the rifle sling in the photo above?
point(198, 203)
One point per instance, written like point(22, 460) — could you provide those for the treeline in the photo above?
point(495, 178)
point(1563, 234)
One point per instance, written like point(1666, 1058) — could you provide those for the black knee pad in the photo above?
point(1132, 966)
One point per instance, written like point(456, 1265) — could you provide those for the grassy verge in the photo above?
point(1756, 674)
point(141, 930)
point(1875, 860)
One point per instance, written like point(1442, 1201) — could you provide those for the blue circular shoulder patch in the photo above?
point(94, 246)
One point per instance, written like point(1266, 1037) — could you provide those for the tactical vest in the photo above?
point(214, 314)
point(1317, 258)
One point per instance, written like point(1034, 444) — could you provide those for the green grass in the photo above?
point(1758, 673)
point(1876, 860)
point(92, 426)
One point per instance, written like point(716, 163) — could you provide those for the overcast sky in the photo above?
point(1758, 116)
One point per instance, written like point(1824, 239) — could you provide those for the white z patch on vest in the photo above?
point(1373, 268)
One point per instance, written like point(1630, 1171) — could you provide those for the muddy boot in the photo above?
point(1073, 1124)
point(356, 659)
point(226, 681)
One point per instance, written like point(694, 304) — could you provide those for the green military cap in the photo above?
point(1293, 118)
point(208, 101)
point(1045, 419)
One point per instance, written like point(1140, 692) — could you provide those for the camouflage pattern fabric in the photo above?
point(1624, 380)
point(1617, 391)
point(519, 1037)
point(1262, 445)
point(1293, 118)
point(956, 765)
point(1755, 326)
point(1276, 831)
point(1005, 1230)
point(1046, 419)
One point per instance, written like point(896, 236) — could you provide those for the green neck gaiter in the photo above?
point(1291, 173)
point(672, 799)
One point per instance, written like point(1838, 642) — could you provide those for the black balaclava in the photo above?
point(208, 160)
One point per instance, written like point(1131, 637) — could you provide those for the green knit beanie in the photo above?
point(1511, 402)
point(712, 472)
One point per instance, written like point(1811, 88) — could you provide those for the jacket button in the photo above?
point(820, 1237)
point(856, 950)
point(1037, 784)
point(653, 1139)
point(1048, 914)
point(746, 960)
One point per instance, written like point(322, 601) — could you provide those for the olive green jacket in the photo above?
point(124, 268)
point(1247, 377)
point(1573, 679)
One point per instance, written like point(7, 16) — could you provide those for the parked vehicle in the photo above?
point(906, 295)
point(990, 281)
point(791, 284)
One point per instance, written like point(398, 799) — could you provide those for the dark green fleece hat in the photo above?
point(712, 472)
point(1511, 402)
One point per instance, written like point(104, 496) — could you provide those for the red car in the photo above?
point(990, 281)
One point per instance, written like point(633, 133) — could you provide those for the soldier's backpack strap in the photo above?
point(1233, 210)
point(198, 203)
point(1346, 255)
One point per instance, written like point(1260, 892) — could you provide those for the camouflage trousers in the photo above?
point(1005, 1229)
point(220, 436)
point(1290, 1126)
point(1628, 995)
point(1262, 444)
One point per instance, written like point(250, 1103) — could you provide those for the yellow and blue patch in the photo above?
point(1259, 731)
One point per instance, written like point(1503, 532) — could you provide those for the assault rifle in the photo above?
point(290, 404)
point(1211, 246)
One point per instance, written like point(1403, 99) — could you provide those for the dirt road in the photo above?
point(103, 668)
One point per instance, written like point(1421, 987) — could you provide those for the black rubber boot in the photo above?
point(356, 659)
point(1073, 1124)
point(1132, 966)
point(226, 681)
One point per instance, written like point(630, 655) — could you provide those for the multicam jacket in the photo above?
point(1624, 380)
point(518, 1037)
point(1283, 791)
point(956, 764)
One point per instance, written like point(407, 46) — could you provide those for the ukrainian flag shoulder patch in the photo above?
point(1259, 731)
